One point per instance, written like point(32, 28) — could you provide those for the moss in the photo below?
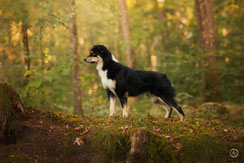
point(113, 144)
point(160, 149)
point(202, 140)
point(204, 148)
point(14, 159)
point(64, 118)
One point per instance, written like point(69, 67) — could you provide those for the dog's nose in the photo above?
point(85, 59)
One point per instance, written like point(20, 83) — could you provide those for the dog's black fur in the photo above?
point(130, 82)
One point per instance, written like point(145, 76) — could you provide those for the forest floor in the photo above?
point(205, 136)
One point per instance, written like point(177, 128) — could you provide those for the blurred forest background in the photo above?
point(198, 44)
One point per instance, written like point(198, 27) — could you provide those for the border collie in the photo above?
point(122, 81)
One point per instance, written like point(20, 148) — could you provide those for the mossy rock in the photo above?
point(212, 110)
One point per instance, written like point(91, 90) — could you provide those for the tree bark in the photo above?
point(126, 33)
point(77, 90)
point(207, 39)
point(138, 149)
point(161, 18)
point(153, 57)
point(41, 49)
point(25, 41)
point(11, 108)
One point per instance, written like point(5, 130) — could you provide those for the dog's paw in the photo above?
point(182, 118)
point(125, 115)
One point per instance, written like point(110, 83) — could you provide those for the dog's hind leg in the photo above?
point(124, 105)
point(158, 101)
point(180, 112)
point(177, 108)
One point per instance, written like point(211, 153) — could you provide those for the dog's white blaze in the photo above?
point(114, 59)
point(107, 83)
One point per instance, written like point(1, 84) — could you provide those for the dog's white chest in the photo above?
point(107, 83)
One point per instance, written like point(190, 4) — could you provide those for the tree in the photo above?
point(76, 69)
point(207, 40)
point(25, 40)
point(126, 32)
point(164, 28)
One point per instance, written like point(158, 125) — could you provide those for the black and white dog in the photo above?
point(122, 81)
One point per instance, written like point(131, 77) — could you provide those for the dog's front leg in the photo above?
point(125, 110)
point(124, 105)
point(112, 101)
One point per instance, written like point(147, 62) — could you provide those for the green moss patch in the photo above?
point(169, 140)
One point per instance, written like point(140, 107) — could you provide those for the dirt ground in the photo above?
point(42, 141)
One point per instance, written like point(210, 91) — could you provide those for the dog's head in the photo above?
point(98, 53)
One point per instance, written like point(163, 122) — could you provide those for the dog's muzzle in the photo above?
point(85, 59)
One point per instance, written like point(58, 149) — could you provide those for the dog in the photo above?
point(121, 81)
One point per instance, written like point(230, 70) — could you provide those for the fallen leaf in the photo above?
point(154, 121)
point(178, 146)
point(79, 127)
point(124, 128)
point(78, 141)
point(167, 136)
point(85, 131)
point(156, 129)
point(198, 123)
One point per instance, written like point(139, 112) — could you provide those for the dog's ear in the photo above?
point(102, 49)
point(105, 54)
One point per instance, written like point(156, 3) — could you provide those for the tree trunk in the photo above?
point(11, 108)
point(153, 57)
point(161, 18)
point(41, 49)
point(25, 41)
point(207, 40)
point(126, 33)
point(138, 150)
point(76, 69)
